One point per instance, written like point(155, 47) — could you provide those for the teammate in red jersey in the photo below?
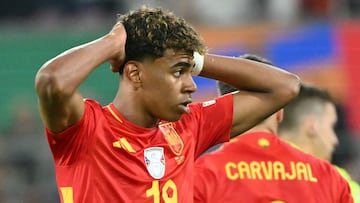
point(258, 166)
point(142, 146)
point(309, 123)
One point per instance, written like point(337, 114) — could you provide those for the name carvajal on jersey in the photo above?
point(270, 170)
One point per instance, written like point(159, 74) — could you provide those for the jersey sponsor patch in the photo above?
point(172, 138)
point(155, 161)
point(208, 103)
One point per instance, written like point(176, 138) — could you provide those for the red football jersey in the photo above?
point(106, 159)
point(261, 168)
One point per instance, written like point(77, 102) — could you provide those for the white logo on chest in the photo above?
point(155, 161)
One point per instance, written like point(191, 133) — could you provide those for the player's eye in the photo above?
point(179, 72)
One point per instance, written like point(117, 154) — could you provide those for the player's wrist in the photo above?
point(199, 63)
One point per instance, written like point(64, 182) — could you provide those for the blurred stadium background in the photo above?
point(317, 39)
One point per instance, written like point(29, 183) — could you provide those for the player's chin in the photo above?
point(183, 108)
point(174, 117)
point(175, 114)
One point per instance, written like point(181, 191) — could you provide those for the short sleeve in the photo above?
point(214, 122)
point(67, 145)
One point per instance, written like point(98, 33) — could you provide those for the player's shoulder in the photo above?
point(343, 172)
point(218, 104)
point(92, 103)
point(93, 106)
point(321, 165)
point(315, 161)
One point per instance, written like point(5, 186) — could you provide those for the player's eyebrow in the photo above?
point(182, 64)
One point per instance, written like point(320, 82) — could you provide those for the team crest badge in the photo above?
point(155, 161)
point(172, 137)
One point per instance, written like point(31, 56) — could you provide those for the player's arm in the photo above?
point(264, 89)
point(60, 104)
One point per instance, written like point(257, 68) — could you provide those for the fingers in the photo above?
point(118, 35)
point(115, 65)
point(119, 30)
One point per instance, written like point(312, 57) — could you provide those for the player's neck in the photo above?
point(263, 128)
point(130, 109)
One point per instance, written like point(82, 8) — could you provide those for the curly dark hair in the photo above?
point(150, 31)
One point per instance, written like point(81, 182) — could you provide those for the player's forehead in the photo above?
point(172, 57)
point(176, 54)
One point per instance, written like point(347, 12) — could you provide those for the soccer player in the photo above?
point(258, 166)
point(309, 122)
point(141, 147)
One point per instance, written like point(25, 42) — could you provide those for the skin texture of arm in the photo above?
point(60, 104)
point(264, 89)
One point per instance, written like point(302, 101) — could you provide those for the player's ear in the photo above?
point(280, 115)
point(310, 126)
point(132, 72)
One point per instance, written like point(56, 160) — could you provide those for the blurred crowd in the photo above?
point(26, 169)
point(212, 12)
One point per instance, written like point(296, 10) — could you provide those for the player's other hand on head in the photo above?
point(118, 37)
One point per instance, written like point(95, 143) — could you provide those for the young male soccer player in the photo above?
point(142, 146)
point(259, 167)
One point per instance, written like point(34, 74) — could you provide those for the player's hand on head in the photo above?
point(115, 65)
point(118, 33)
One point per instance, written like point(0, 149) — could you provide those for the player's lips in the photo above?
point(184, 106)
